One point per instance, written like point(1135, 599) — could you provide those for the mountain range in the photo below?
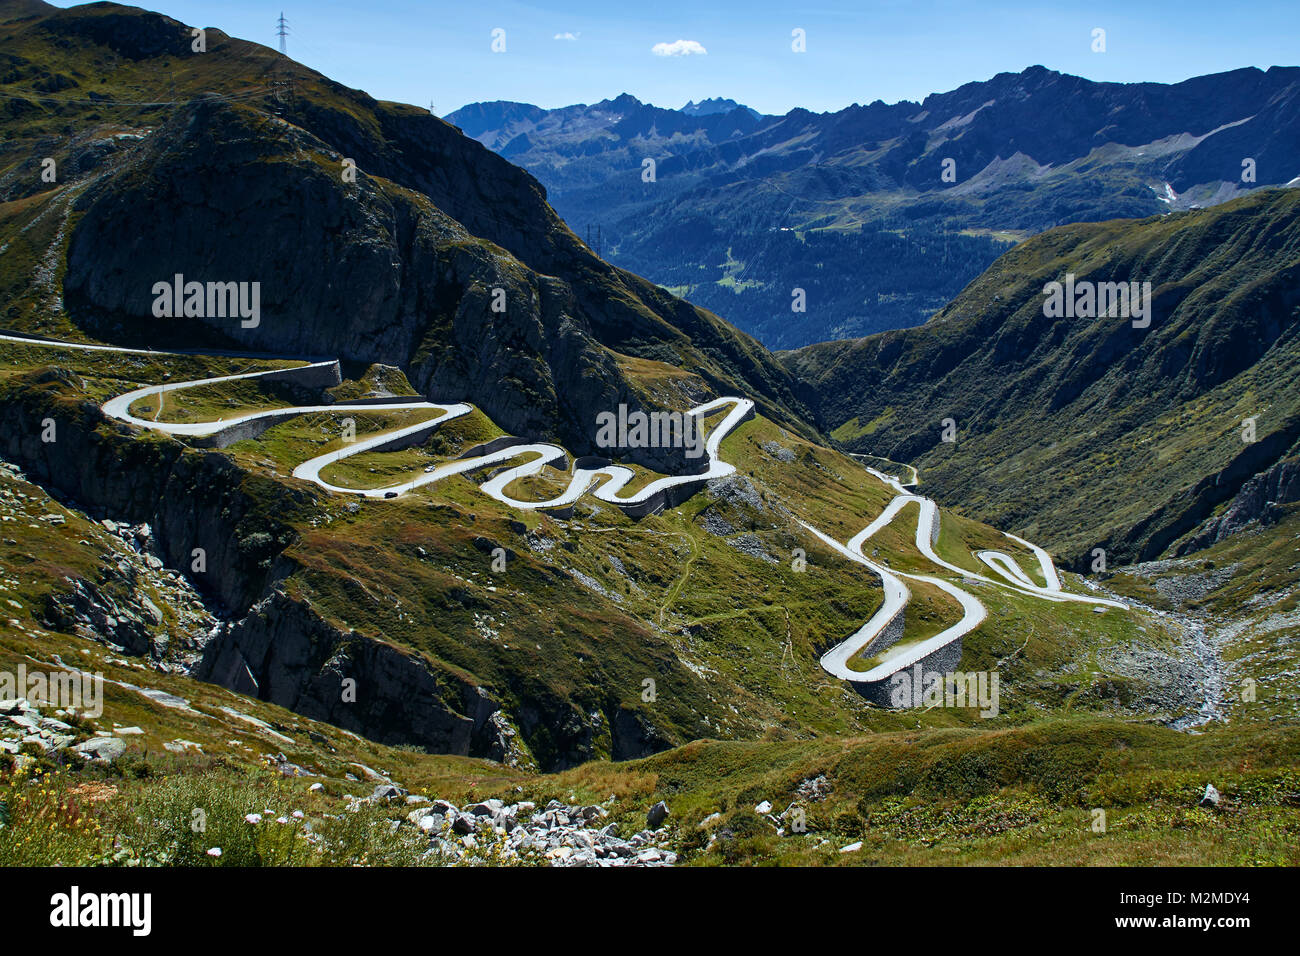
point(883, 213)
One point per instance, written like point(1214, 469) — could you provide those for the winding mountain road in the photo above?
point(606, 483)
point(897, 657)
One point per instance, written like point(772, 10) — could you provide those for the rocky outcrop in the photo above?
point(562, 735)
point(86, 609)
point(283, 652)
point(210, 518)
point(1259, 500)
point(1164, 527)
point(559, 834)
point(27, 731)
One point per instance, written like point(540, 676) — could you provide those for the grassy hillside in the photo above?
point(1085, 433)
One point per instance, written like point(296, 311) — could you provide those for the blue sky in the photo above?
point(856, 52)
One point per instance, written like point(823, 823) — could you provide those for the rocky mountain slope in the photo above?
point(400, 266)
point(854, 207)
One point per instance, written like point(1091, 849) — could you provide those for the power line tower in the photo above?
point(282, 85)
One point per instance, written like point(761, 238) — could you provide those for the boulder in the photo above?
point(657, 815)
point(106, 749)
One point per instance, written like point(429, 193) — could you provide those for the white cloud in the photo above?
point(680, 48)
point(567, 36)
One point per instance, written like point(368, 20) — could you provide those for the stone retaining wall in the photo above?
point(944, 660)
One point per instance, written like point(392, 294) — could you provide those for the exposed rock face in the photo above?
point(1259, 500)
point(192, 500)
point(87, 609)
point(119, 599)
point(567, 737)
point(366, 271)
point(134, 34)
point(284, 653)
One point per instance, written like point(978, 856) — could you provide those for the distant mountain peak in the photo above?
point(713, 105)
point(625, 101)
